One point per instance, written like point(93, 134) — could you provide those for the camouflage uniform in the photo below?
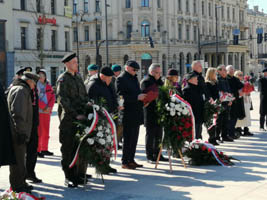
point(71, 96)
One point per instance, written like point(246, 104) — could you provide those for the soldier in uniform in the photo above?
point(263, 99)
point(71, 96)
point(92, 70)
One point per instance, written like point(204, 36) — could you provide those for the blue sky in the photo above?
point(261, 3)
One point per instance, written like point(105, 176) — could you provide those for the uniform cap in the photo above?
point(190, 75)
point(28, 69)
point(107, 71)
point(29, 75)
point(133, 64)
point(68, 57)
point(92, 67)
point(172, 72)
point(20, 72)
point(116, 68)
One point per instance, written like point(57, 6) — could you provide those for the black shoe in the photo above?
point(47, 153)
point(151, 159)
point(70, 184)
point(34, 179)
point(112, 170)
point(163, 159)
point(119, 147)
point(28, 186)
point(40, 155)
point(228, 139)
point(22, 189)
point(214, 142)
point(248, 134)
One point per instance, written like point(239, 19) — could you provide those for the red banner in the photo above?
point(44, 20)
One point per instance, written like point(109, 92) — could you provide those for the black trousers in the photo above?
point(231, 126)
point(198, 130)
point(222, 123)
point(262, 120)
point(130, 138)
point(31, 152)
point(68, 149)
point(18, 171)
point(153, 140)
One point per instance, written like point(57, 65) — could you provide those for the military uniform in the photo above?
point(71, 96)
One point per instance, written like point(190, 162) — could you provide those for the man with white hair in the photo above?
point(153, 129)
point(236, 108)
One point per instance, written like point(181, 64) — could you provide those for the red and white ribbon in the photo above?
point(190, 112)
point(113, 130)
point(88, 132)
point(22, 195)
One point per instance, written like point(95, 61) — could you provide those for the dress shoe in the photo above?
point(70, 184)
point(34, 179)
point(163, 159)
point(214, 142)
point(248, 134)
point(136, 165)
point(28, 186)
point(228, 139)
point(127, 166)
point(40, 155)
point(112, 170)
point(47, 153)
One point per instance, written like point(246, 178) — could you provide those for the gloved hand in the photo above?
point(21, 139)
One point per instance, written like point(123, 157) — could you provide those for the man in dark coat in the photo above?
point(128, 86)
point(194, 96)
point(235, 111)
point(7, 155)
point(21, 111)
point(153, 129)
point(263, 99)
point(223, 118)
point(71, 96)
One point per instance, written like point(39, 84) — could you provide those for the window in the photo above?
point(228, 13)
point(85, 4)
point(210, 9)
point(1, 1)
point(222, 10)
point(53, 7)
point(145, 3)
point(187, 32)
point(86, 33)
point(97, 6)
point(53, 75)
point(179, 5)
point(145, 28)
point(75, 34)
point(203, 8)
point(22, 5)
point(158, 26)
point(195, 33)
point(74, 6)
point(2, 36)
point(128, 4)
point(129, 29)
point(159, 3)
point(195, 6)
point(180, 32)
point(234, 14)
point(67, 40)
point(187, 6)
point(53, 40)
point(98, 32)
point(38, 38)
point(38, 6)
point(23, 37)
point(66, 3)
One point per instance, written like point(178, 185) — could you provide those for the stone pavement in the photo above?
point(244, 181)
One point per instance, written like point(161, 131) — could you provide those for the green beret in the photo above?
point(92, 67)
point(116, 68)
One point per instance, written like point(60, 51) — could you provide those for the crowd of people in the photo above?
point(28, 104)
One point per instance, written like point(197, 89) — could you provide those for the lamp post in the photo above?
point(106, 21)
point(77, 32)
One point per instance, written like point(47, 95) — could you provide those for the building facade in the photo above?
point(182, 31)
point(258, 52)
point(40, 35)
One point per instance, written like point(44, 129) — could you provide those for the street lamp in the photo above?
point(217, 44)
point(106, 21)
point(79, 13)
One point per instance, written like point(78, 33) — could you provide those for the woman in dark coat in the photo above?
point(263, 99)
point(6, 146)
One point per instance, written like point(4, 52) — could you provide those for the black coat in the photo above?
point(223, 84)
point(7, 156)
point(263, 95)
point(96, 89)
point(237, 108)
point(213, 90)
point(202, 86)
point(150, 112)
point(128, 86)
point(193, 95)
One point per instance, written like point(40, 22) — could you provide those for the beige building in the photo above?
point(173, 25)
point(258, 52)
point(39, 34)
